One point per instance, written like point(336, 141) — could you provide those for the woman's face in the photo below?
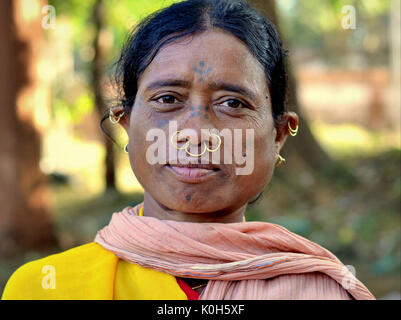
point(199, 65)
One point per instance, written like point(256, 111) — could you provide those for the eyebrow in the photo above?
point(214, 85)
point(168, 83)
point(221, 85)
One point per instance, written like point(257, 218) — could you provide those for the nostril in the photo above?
point(182, 137)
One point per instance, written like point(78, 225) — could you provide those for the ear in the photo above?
point(125, 118)
point(282, 129)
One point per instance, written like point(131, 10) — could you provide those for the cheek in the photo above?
point(264, 155)
point(265, 158)
point(251, 185)
point(138, 143)
point(265, 136)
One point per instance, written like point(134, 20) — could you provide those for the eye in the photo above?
point(168, 99)
point(235, 104)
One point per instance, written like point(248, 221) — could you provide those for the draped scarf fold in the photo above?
point(237, 258)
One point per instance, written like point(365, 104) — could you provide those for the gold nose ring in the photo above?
point(217, 148)
point(187, 144)
point(196, 155)
point(178, 148)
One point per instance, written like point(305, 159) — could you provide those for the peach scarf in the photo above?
point(224, 253)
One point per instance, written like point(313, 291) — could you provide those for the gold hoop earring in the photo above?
point(217, 148)
point(293, 132)
point(178, 148)
point(113, 118)
point(280, 161)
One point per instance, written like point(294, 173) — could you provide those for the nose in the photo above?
point(197, 128)
point(191, 137)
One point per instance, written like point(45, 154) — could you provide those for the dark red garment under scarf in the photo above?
point(191, 294)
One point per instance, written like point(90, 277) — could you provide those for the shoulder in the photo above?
point(73, 274)
point(307, 286)
point(135, 282)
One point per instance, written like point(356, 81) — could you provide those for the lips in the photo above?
point(193, 172)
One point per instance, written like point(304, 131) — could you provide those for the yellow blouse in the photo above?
point(89, 272)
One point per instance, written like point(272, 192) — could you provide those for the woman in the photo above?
point(206, 77)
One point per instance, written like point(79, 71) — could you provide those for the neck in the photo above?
point(152, 208)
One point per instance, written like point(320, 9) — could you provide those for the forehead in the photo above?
point(223, 56)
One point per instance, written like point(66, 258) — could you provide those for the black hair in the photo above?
point(191, 17)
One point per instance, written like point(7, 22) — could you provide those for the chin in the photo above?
point(195, 204)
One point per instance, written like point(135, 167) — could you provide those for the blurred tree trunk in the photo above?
point(100, 104)
point(395, 58)
point(25, 220)
point(304, 146)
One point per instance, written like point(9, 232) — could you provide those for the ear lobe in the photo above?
point(280, 140)
point(124, 121)
point(278, 147)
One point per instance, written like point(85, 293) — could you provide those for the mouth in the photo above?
point(193, 172)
